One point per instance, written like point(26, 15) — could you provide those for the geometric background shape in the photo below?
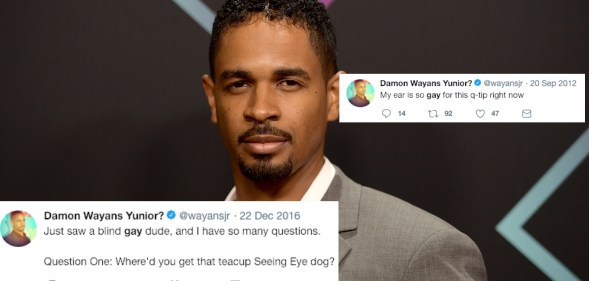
point(199, 12)
point(511, 226)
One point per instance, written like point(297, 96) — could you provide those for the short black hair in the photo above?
point(308, 14)
point(358, 81)
point(14, 213)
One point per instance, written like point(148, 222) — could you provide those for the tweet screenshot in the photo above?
point(462, 98)
point(169, 241)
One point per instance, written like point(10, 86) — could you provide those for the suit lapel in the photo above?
point(347, 192)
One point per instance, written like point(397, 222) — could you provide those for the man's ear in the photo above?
point(209, 85)
point(333, 97)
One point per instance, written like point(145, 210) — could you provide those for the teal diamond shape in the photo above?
point(511, 226)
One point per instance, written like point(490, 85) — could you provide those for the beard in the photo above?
point(262, 168)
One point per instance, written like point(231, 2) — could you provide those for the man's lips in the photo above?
point(264, 144)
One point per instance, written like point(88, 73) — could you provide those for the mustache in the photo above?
point(263, 130)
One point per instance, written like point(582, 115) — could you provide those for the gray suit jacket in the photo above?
point(385, 238)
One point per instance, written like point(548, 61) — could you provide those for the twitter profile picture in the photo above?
point(360, 93)
point(18, 228)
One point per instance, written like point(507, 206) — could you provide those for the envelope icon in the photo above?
point(527, 113)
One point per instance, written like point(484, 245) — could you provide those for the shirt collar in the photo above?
point(317, 189)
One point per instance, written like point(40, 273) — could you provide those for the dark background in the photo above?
point(101, 100)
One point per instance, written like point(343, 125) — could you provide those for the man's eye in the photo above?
point(236, 87)
point(238, 84)
point(289, 84)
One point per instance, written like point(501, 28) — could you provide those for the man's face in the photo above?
point(18, 223)
point(270, 99)
point(360, 88)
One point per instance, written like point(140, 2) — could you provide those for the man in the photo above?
point(359, 99)
point(17, 237)
point(273, 87)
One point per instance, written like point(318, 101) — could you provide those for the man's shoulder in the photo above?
point(357, 101)
point(381, 210)
point(10, 239)
point(16, 240)
point(395, 240)
point(390, 209)
point(10, 236)
point(397, 220)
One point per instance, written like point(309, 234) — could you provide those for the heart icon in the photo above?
point(480, 113)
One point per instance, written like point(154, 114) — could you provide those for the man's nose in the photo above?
point(263, 105)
